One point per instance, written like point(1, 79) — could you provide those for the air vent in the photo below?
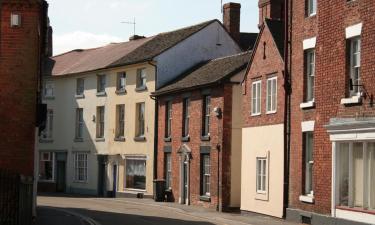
point(305, 220)
point(15, 20)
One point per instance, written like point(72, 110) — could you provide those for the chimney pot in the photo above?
point(136, 37)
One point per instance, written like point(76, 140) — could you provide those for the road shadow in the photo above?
point(55, 216)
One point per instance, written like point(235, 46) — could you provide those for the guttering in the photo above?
point(156, 124)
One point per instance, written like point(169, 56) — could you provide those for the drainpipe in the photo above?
point(287, 88)
point(156, 124)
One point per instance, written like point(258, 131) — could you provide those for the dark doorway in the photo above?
point(114, 188)
point(61, 176)
point(101, 179)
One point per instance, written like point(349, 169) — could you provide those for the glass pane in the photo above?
point(258, 98)
point(259, 176)
point(343, 172)
point(358, 174)
point(136, 174)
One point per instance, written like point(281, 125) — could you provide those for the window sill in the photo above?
point(311, 15)
point(80, 181)
point(256, 114)
point(49, 97)
point(185, 139)
point(78, 139)
point(100, 139)
point(205, 138)
point(271, 112)
point(167, 139)
point(306, 199)
point(307, 105)
point(205, 198)
point(80, 96)
point(360, 210)
point(351, 101)
point(120, 139)
point(101, 94)
point(140, 89)
point(121, 92)
point(46, 140)
point(140, 139)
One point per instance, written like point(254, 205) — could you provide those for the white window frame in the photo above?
point(47, 133)
point(356, 81)
point(141, 120)
point(80, 86)
point(141, 78)
point(100, 122)
point(310, 74)
point(101, 83)
point(312, 7)
point(168, 170)
point(120, 121)
point(77, 167)
point(135, 158)
point(256, 109)
point(49, 89)
point(79, 123)
point(186, 117)
point(51, 158)
point(206, 174)
point(121, 82)
point(168, 119)
point(271, 97)
point(262, 175)
point(207, 116)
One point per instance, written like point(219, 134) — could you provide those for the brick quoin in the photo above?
point(331, 85)
point(220, 135)
point(19, 75)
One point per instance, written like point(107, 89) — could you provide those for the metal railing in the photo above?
point(16, 199)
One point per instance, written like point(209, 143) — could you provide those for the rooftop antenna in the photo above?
point(132, 23)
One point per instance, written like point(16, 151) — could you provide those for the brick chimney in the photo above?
point(232, 19)
point(270, 9)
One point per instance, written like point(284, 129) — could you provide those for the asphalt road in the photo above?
point(101, 211)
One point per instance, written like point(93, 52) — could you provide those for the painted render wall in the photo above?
point(201, 46)
point(64, 106)
point(263, 141)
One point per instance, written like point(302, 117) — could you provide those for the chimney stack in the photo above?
point(232, 19)
point(49, 45)
point(270, 9)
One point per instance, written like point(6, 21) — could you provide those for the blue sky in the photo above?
point(93, 23)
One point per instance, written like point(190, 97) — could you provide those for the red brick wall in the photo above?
point(220, 133)
point(271, 9)
point(260, 69)
point(330, 87)
point(19, 70)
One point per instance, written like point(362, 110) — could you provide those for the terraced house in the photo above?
point(100, 135)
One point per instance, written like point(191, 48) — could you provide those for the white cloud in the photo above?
point(81, 40)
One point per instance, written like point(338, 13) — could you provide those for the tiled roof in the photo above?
point(247, 40)
point(118, 54)
point(276, 28)
point(207, 73)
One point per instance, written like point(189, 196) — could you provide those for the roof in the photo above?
point(247, 40)
point(207, 73)
point(118, 54)
point(276, 28)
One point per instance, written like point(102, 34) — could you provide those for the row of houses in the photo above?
point(279, 123)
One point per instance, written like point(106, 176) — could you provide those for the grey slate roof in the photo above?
point(247, 40)
point(118, 54)
point(207, 73)
point(276, 28)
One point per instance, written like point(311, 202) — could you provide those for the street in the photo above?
point(77, 210)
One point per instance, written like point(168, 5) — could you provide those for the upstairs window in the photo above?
point(310, 75)
point(355, 66)
point(206, 115)
point(256, 94)
point(79, 123)
point(121, 82)
point(47, 132)
point(272, 95)
point(311, 7)
point(49, 89)
point(100, 122)
point(168, 119)
point(186, 117)
point(80, 86)
point(141, 79)
point(101, 84)
point(120, 128)
point(140, 132)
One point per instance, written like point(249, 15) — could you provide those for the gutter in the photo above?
point(287, 109)
point(156, 124)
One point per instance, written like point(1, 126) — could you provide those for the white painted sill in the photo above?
point(255, 114)
point(306, 105)
point(352, 100)
point(307, 199)
point(271, 112)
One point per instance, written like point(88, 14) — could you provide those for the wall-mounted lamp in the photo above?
point(93, 118)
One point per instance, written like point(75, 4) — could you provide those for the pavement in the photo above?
point(83, 210)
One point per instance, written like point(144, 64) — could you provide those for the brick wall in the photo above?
point(19, 67)
point(220, 134)
point(331, 85)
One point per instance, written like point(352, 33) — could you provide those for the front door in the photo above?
point(114, 188)
point(60, 176)
point(185, 185)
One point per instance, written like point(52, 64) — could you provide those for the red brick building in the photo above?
point(332, 160)
point(199, 134)
point(23, 38)
point(263, 111)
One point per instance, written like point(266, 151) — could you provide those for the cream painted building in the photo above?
point(100, 132)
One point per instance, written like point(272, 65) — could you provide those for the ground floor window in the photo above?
point(46, 166)
point(168, 170)
point(80, 167)
point(261, 175)
point(206, 174)
point(355, 168)
point(135, 174)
